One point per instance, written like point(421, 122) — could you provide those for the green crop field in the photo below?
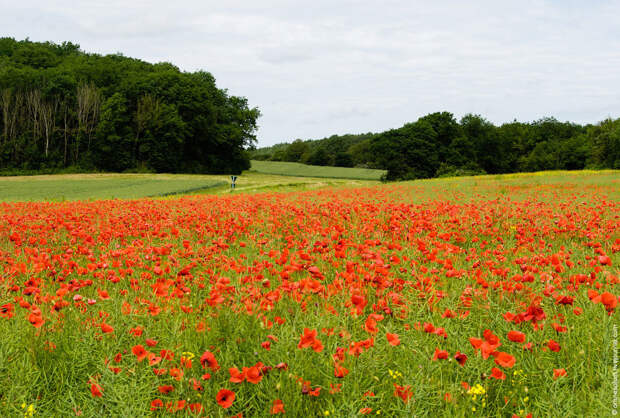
point(100, 186)
point(303, 170)
point(132, 186)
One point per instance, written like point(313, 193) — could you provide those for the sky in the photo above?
point(320, 68)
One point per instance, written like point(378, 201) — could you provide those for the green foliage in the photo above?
point(438, 145)
point(605, 140)
point(295, 151)
point(319, 157)
point(343, 159)
point(61, 107)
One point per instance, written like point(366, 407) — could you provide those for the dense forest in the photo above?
point(64, 108)
point(438, 145)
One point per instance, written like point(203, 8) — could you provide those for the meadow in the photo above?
point(133, 186)
point(283, 168)
point(477, 296)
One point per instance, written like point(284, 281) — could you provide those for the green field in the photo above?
point(303, 170)
point(100, 186)
point(132, 186)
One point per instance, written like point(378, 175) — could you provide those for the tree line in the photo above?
point(438, 145)
point(64, 108)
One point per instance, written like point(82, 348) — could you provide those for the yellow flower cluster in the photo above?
point(29, 411)
point(477, 389)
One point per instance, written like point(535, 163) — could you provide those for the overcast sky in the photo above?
point(332, 67)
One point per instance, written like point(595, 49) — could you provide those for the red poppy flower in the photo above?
point(139, 352)
point(440, 355)
point(558, 373)
point(340, 371)
point(176, 373)
point(307, 338)
point(225, 398)
point(196, 407)
point(553, 346)
point(504, 359)
point(252, 374)
point(460, 358)
point(106, 329)
point(403, 392)
point(165, 388)
point(516, 336)
point(393, 339)
point(277, 407)
point(315, 392)
point(208, 360)
point(36, 320)
point(156, 404)
point(136, 332)
point(497, 374)
point(96, 390)
point(235, 375)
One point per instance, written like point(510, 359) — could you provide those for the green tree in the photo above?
point(295, 150)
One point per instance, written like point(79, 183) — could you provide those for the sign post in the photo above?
point(233, 179)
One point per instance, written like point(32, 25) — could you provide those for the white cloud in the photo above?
point(327, 67)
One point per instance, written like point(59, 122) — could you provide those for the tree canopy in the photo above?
point(62, 107)
point(439, 145)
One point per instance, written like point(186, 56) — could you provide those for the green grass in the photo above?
point(100, 186)
point(303, 170)
point(132, 186)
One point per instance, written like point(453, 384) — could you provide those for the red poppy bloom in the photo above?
point(558, 373)
point(504, 359)
point(176, 373)
point(208, 360)
point(252, 374)
point(196, 407)
point(165, 388)
point(96, 390)
point(36, 320)
point(497, 374)
point(553, 346)
point(403, 392)
point(440, 355)
point(277, 407)
point(460, 358)
point(225, 398)
point(156, 404)
point(307, 338)
point(139, 352)
point(516, 336)
point(340, 371)
point(106, 329)
point(392, 339)
point(235, 375)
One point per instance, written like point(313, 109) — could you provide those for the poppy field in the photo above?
point(491, 296)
